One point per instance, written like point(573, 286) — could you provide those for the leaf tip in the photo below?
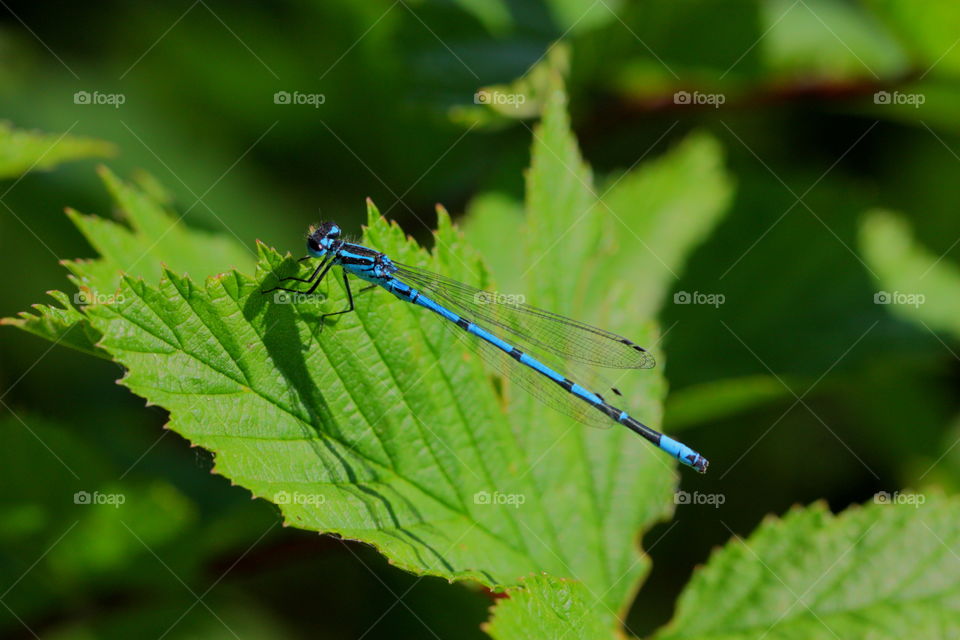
point(372, 212)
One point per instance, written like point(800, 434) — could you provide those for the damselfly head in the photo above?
point(321, 238)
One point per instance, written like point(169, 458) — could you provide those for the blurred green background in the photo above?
point(840, 397)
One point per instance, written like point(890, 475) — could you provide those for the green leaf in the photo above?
point(554, 607)
point(914, 284)
point(576, 16)
point(524, 98)
point(22, 151)
point(388, 431)
point(715, 400)
point(561, 205)
point(488, 214)
point(659, 213)
point(154, 239)
point(494, 14)
point(62, 325)
point(74, 522)
point(884, 571)
point(650, 219)
point(928, 29)
point(831, 40)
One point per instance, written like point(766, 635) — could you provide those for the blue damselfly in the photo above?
point(531, 336)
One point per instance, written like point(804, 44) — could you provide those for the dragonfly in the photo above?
point(528, 337)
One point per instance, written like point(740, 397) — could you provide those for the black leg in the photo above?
point(312, 276)
point(317, 277)
point(321, 277)
point(346, 283)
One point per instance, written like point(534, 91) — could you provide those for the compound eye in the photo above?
point(334, 232)
point(312, 245)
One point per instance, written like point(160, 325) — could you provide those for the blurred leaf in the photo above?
point(574, 16)
point(494, 14)
point(719, 399)
point(487, 216)
point(941, 471)
point(74, 523)
point(929, 103)
point(556, 608)
point(665, 46)
point(883, 571)
point(235, 616)
point(524, 98)
point(648, 222)
point(102, 540)
point(661, 212)
point(22, 151)
point(828, 39)
point(563, 221)
point(929, 30)
point(915, 284)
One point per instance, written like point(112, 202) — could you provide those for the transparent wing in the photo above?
point(540, 387)
point(550, 338)
point(546, 331)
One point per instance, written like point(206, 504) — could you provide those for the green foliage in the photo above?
point(375, 436)
point(78, 502)
point(664, 209)
point(22, 151)
point(524, 98)
point(416, 419)
point(62, 324)
point(556, 608)
point(830, 40)
point(921, 288)
point(153, 239)
point(382, 428)
point(701, 403)
point(928, 30)
point(885, 571)
point(494, 14)
point(917, 285)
